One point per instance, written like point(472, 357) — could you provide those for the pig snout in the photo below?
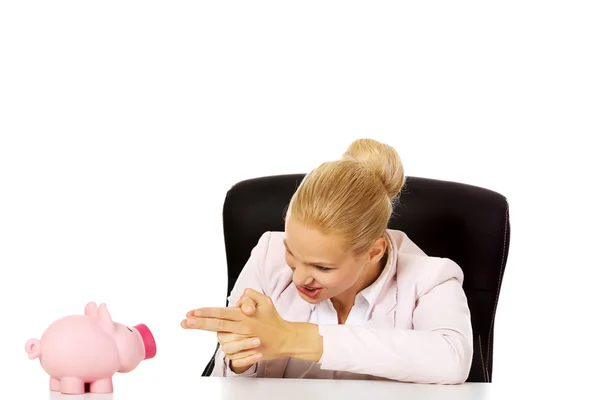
point(33, 348)
point(135, 345)
point(148, 340)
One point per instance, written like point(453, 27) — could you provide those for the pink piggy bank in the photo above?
point(89, 349)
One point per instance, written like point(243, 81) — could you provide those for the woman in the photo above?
point(340, 296)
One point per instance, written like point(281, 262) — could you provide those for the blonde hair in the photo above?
point(352, 197)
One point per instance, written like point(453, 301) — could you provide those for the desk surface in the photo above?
point(303, 389)
point(288, 389)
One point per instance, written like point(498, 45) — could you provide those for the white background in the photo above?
point(124, 124)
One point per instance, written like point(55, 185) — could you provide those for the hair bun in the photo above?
point(382, 159)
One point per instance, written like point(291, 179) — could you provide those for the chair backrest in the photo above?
point(465, 223)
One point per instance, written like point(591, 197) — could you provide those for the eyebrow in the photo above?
point(314, 264)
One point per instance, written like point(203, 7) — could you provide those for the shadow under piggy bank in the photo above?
point(85, 396)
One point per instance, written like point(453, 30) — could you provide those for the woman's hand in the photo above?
point(241, 350)
point(247, 305)
point(265, 323)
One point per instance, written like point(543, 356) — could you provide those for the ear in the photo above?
point(33, 348)
point(91, 309)
point(377, 250)
point(104, 319)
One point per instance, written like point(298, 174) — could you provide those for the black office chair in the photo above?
point(465, 223)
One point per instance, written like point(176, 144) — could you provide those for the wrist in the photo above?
point(304, 342)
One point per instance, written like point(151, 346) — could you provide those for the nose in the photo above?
point(148, 339)
point(302, 276)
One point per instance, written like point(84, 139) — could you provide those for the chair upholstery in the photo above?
point(465, 223)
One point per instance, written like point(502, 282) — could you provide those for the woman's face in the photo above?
point(321, 269)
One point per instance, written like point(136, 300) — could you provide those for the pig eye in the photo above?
point(130, 329)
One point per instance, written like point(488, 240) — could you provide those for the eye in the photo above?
point(130, 329)
point(325, 269)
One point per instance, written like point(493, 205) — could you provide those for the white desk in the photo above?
point(204, 388)
point(289, 389)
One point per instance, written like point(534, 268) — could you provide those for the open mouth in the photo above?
point(309, 291)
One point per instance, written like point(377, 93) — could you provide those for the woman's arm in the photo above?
point(438, 350)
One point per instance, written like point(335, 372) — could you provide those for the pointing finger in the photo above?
point(228, 313)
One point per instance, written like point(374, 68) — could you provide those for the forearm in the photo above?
point(407, 355)
point(305, 342)
point(398, 354)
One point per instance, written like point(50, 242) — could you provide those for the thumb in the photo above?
point(258, 297)
point(248, 307)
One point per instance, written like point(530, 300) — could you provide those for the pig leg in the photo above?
point(102, 386)
point(72, 386)
point(54, 385)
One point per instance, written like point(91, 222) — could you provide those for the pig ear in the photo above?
point(104, 319)
point(91, 309)
point(33, 348)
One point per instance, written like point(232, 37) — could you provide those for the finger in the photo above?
point(246, 361)
point(241, 300)
point(226, 337)
point(229, 313)
point(237, 346)
point(214, 325)
point(258, 298)
point(248, 307)
point(246, 294)
point(187, 325)
point(242, 354)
